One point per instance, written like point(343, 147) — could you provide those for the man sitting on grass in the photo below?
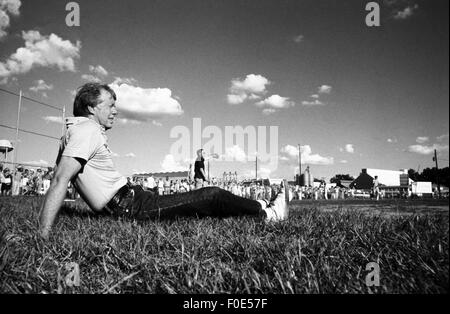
point(85, 159)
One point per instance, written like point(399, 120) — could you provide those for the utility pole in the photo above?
point(437, 174)
point(208, 170)
point(299, 164)
point(256, 166)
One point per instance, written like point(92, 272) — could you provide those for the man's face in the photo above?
point(105, 112)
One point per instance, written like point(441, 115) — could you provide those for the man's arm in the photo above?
point(68, 167)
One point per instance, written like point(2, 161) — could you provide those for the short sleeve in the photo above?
point(82, 142)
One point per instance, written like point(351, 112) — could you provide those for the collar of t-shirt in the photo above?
point(70, 121)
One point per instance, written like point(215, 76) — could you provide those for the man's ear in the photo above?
point(91, 109)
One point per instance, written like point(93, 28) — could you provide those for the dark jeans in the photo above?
point(208, 201)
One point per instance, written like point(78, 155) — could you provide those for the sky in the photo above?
point(352, 96)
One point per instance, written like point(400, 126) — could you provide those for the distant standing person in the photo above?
point(6, 185)
point(376, 188)
point(199, 168)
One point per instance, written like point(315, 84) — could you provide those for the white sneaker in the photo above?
point(278, 210)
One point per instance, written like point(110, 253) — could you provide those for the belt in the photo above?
point(121, 202)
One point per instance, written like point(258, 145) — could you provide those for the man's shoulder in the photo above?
point(85, 128)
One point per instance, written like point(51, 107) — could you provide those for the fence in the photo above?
point(18, 129)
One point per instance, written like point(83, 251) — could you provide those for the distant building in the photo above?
point(175, 175)
point(393, 182)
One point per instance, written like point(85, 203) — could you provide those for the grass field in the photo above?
point(323, 248)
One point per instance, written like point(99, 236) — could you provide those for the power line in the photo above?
point(30, 132)
point(31, 99)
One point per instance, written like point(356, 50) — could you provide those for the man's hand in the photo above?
point(68, 167)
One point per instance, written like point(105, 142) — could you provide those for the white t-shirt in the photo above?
point(98, 181)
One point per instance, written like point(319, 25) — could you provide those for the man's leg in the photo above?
point(208, 201)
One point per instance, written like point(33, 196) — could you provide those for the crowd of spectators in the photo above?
point(24, 181)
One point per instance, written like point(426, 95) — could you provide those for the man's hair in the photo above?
point(88, 95)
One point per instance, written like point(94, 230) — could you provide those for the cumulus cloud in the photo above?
point(40, 85)
point(307, 155)
point(422, 139)
point(343, 161)
point(268, 111)
point(130, 155)
point(427, 149)
point(145, 104)
point(315, 96)
point(53, 119)
point(126, 80)
point(442, 138)
point(324, 89)
point(170, 164)
point(315, 102)
point(41, 51)
point(276, 102)
point(406, 12)
point(234, 153)
point(299, 38)
point(97, 74)
point(349, 148)
point(7, 8)
point(91, 78)
point(98, 70)
point(391, 140)
point(40, 162)
point(251, 87)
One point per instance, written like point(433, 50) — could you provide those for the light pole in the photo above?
point(299, 164)
point(256, 166)
point(437, 174)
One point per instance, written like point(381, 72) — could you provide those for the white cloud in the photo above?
point(236, 99)
point(275, 101)
point(250, 87)
point(130, 155)
point(343, 161)
point(144, 104)
point(170, 164)
point(406, 12)
point(442, 138)
point(98, 73)
point(422, 139)
point(40, 85)
point(113, 154)
point(268, 111)
point(43, 51)
point(349, 148)
point(98, 70)
point(312, 103)
point(154, 122)
point(91, 78)
point(391, 140)
point(315, 96)
point(235, 153)
point(40, 162)
point(299, 38)
point(126, 80)
point(125, 121)
point(325, 89)
point(7, 7)
point(53, 119)
point(306, 155)
point(427, 149)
